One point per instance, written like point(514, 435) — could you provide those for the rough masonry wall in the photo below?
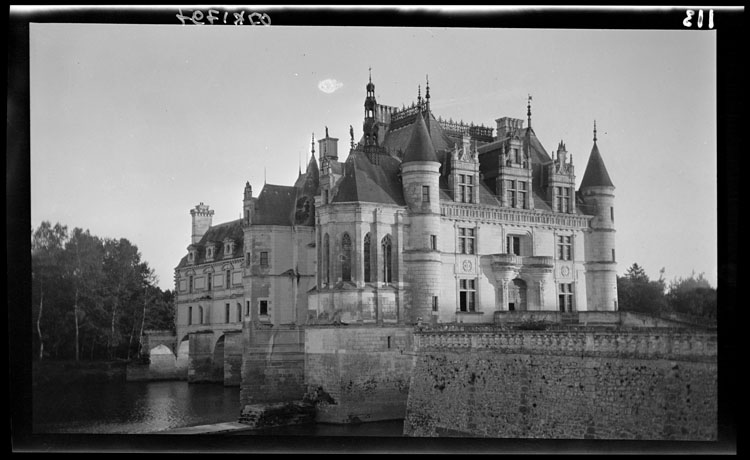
point(232, 358)
point(358, 374)
point(200, 361)
point(529, 384)
point(273, 365)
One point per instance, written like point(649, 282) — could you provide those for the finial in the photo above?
point(427, 89)
point(370, 71)
point(419, 96)
point(313, 143)
point(351, 135)
point(264, 175)
point(594, 131)
point(528, 112)
point(326, 132)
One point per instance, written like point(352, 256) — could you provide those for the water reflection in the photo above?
point(131, 407)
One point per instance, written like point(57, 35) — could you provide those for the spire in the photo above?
point(528, 111)
point(596, 174)
point(420, 146)
point(427, 92)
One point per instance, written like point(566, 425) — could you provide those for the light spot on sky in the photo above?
point(329, 85)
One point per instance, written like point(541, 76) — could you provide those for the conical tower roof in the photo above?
point(596, 173)
point(420, 146)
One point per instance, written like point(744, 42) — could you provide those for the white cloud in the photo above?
point(329, 85)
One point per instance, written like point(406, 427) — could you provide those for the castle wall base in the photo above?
point(654, 385)
point(358, 373)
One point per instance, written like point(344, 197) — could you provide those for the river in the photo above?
point(148, 407)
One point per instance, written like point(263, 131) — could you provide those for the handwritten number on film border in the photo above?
point(255, 19)
point(699, 22)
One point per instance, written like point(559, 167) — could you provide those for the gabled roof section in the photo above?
point(275, 205)
point(596, 174)
point(366, 182)
point(420, 146)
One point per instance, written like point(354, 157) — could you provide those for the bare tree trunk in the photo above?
point(130, 342)
point(75, 312)
point(112, 331)
point(39, 327)
point(143, 321)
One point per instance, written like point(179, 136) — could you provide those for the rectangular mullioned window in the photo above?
point(564, 247)
point(467, 293)
point(517, 194)
point(466, 240)
point(465, 188)
point(513, 245)
point(565, 297)
point(562, 199)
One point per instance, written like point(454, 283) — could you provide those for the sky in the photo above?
point(133, 125)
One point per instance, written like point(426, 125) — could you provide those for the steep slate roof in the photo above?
point(275, 205)
point(398, 139)
point(364, 181)
point(596, 173)
point(420, 146)
point(217, 234)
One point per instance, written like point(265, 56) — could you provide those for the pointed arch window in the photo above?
point(346, 258)
point(366, 253)
point(326, 256)
point(387, 267)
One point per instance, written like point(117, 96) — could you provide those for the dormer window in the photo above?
point(465, 188)
point(209, 252)
point(192, 254)
point(228, 247)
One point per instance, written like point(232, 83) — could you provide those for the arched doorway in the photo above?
point(218, 360)
point(517, 295)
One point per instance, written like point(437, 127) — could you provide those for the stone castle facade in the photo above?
point(424, 221)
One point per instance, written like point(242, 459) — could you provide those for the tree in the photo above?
point(637, 293)
point(46, 257)
point(692, 296)
point(85, 255)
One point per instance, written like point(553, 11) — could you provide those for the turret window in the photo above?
point(190, 316)
point(226, 313)
point(612, 214)
point(190, 283)
point(425, 193)
point(366, 257)
point(200, 314)
point(466, 240)
point(209, 281)
point(228, 277)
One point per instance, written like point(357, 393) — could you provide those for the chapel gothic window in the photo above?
point(386, 245)
point(326, 254)
point(366, 254)
point(346, 258)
